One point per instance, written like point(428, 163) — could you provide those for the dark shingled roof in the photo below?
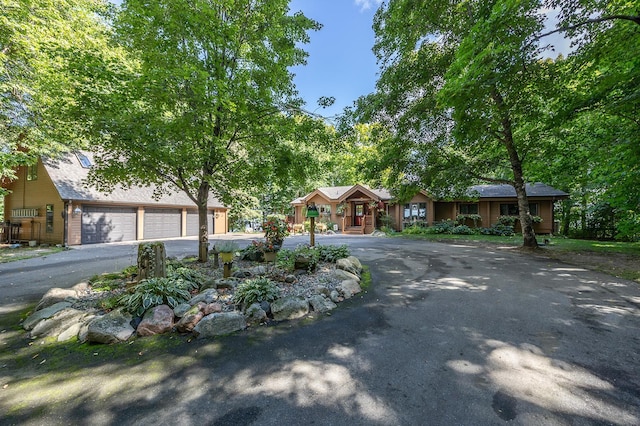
point(69, 178)
point(507, 191)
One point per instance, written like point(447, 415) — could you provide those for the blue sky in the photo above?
point(340, 63)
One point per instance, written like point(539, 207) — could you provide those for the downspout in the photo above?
point(65, 218)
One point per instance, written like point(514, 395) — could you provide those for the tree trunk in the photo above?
point(203, 245)
point(526, 223)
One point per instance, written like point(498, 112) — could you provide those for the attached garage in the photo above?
point(108, 224)
point(192, 223)
point(162, 223)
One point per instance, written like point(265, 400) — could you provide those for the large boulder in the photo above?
point(356, 263)
point(44, 313)
point(347, 265)
point(59, 323)
point(219, 324)
point(254, 314)
point(208, 296)
point(157, 320)
point(321, 304)
point(291, 307)
point(190, 319)
point(344, 275)
point(56, 295)
point(348, 288)
point(113, 327)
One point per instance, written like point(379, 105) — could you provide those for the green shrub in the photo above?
point(154, 292)
point(443, 227)
point(331, 253)
point(507, 220)
point(226, 247)
point(256, 290)
point(386, 221)
point(387, 230)
point(462, 230)
point(187, 278)
point(415, 230)
point(286, 259)
point(498, 229)
point(310, 254)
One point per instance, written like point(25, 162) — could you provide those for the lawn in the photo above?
point(9, 254)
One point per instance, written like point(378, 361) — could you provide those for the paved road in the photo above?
point(447, 335)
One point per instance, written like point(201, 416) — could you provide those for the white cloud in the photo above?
point(367, 4)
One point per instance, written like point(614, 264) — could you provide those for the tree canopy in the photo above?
point(39, 41)
point(205, 102)
point(466, 96)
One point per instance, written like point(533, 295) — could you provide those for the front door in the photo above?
point(358, 214)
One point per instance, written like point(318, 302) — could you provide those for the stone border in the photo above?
point(59, 314)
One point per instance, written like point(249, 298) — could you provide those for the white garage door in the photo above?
point(192, 223)
point(108, 224)
point(162, 223)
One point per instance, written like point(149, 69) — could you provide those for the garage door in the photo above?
point(192, 222)
point(108, 224)
point(162, 223)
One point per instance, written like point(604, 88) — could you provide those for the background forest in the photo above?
point(469, 92)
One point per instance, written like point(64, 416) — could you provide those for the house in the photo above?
point(50, 202)
point(359, 209)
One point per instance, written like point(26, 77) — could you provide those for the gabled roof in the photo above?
point(69, 177)
point(507, 191)
point(340, 193)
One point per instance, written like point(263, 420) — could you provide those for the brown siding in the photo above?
point(36, 194)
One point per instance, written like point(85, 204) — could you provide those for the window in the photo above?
point(32, 172)
point(84, 160)
point(415, 211)
point(324, 209)
point(49, 218)
point(513, 210)
point(468, 208)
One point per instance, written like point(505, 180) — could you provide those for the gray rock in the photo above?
point(77, 329)
point(335, 296)
point(209, 283)
point(266, 306)
point(290, 279)
point(208, 296)
point(181, 309)
point(157, 320)
point(219, 324)
point(56, 295)
point(190, 319)
point(113, 327)
point(344, 275)
point(291, 307)
point(259, 270)
point(347, 265)
point(321, 304)
point(348, 288)
point(356, 262)
point(58, 323)
point(254, 314)
point(322, 290)
point(243, 273)
point(44, 313)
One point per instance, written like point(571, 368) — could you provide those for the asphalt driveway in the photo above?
point(446, 335)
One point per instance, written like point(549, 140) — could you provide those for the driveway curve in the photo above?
point(447, 334)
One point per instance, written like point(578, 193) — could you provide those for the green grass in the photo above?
point(556, 243)
point(8, 254)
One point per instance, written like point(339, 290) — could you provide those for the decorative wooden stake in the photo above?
point(151, 261)
point(312, 232)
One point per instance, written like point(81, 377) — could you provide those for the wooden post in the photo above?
point(312, 231)
point(151, 261)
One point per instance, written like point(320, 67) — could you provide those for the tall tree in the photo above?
point(457, 93)
point(209, 105)
point(464, 92)
point(39, 41)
